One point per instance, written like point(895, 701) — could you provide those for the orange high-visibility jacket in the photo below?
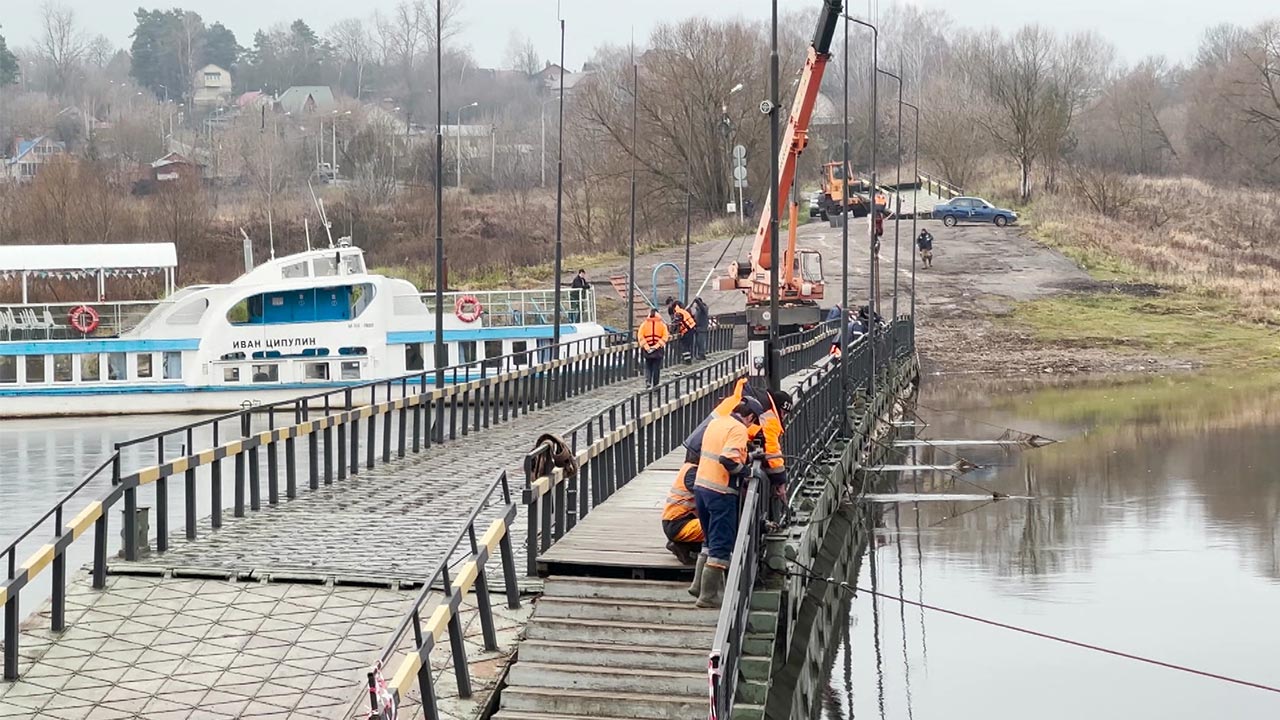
point(724, 455)
point(680, 499)
point(684, 321)
point(770, 426)
point(652, 333)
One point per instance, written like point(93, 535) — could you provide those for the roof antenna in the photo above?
point(306, 228)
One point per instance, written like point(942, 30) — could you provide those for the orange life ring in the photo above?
point(468, 308)
point(83, 318)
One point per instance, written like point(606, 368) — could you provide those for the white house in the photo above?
point(29, 155)
point(212, 85)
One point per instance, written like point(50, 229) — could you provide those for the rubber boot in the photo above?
point(712, 588)
point(696, 588)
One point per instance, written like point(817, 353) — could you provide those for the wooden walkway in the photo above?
point(623, 537)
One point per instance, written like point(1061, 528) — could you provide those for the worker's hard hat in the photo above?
point(749, 405)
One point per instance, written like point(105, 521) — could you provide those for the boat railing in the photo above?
point(521, 308)
point(55, 321)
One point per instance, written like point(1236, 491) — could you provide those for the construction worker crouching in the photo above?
point(680, 517)
point(652, 336)
point(723, 464)
point(685, 326)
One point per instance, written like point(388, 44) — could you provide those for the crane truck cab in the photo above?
point(831, 201)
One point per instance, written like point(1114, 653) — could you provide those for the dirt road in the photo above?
point(980, 272)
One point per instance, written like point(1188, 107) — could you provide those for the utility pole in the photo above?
point(442, 350)
point(688, 213)
point(559, 260)
point(844, 243)
point(631, 250)
point(874, 283)
point(775, 377)
point(897, 193)
point(915, 195)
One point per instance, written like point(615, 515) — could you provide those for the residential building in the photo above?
point(307, 99)
point(29, 155)
point(550, 77)
point(212, 86)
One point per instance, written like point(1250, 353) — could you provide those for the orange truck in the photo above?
point(831, 199)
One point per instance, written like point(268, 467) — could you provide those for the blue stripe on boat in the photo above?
point(489, 333)
point(59, 347)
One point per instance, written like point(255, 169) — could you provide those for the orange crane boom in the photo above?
point(800, 284)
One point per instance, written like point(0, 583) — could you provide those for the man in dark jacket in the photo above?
point(578, 291)
point(701, 326)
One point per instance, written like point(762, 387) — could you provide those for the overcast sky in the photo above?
point(1137, 27)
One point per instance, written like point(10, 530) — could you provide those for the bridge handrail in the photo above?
point(941, 188)
point(816, 414)
point(731, 624)
point(487, 367)
point(496, 398)
point(444, 618)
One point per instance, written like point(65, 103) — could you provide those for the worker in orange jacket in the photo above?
point(723, 463)
point(680, 517)
point(769, 429)
point(685, 325)
point(652, 336)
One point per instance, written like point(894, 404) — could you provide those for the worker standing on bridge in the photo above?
point(680, 517)
point(652, 336)
point(724, 461)
point(685, 326)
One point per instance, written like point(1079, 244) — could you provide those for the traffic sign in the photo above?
point(739, 173)
point(740, 152)
point(740, 183)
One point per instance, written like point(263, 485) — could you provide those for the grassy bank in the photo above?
point(1185, 270)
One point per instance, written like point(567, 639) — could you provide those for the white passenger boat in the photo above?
point(292, 326)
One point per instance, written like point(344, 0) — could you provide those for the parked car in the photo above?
point(972, 209)
point(815, 204)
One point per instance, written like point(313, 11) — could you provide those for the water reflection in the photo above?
point(1154, 530)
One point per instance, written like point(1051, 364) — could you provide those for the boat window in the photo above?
point(172, 366)
point(317, 371)
point(62, 368)
point(231, 374)
point(35, 368)
point(520, 349)
point(190, 313)
point(266, 373)
point(326, 266)
point(144, 365)
point(353, 264)
point(354, 350)
point(116, 367)
point(232, 356)
point(90, 368)
point(493, 353)
point(294, 270)
point(412, 357)
point(351, 370)
point(467, 350)
point(8, 369)
point(329, 304)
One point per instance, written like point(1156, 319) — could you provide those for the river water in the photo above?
point(1153, 531)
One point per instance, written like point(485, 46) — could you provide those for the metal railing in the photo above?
point(445, 614)
point(411, 418)
point(521, 308)
point(735, 608)
point(814, 420)
point(615, 446)
point(941, 188)
point(52, 321)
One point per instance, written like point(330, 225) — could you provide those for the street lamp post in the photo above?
point(844, 240)
point(442, 351)
point(559, 255)
point(631, 249)
point(915, 209)
point(897, 188)
point(458, 159)
point(874, 242)
point(728, 146)
point(775, 372)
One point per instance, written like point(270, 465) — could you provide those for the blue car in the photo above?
point(972, 209)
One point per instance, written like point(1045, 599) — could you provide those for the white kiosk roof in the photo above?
point(112, 256)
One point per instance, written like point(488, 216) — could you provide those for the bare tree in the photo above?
point(405, 40)
point(62, 43)
point(953, 138)
point(521, 54)
point(99, 52)
point(179, 213)
point(355, 46)
point(53, 199)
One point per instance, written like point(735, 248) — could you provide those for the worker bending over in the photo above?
point(723, 464)
point(652, 336)
point(680, 517)
point(684, 324)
